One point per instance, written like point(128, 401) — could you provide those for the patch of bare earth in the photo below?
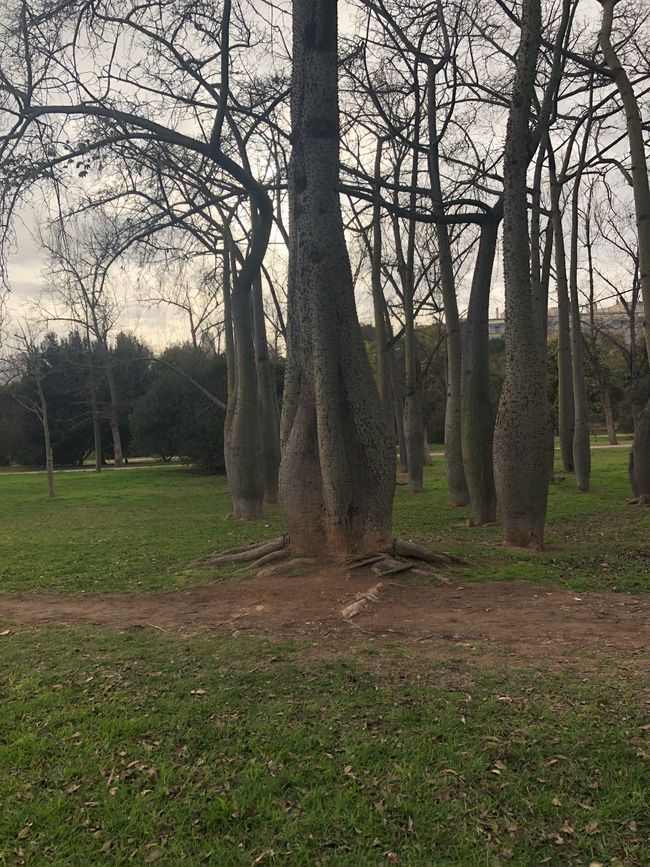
point(516, 619)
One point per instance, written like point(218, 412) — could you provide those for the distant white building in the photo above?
point(613, 319)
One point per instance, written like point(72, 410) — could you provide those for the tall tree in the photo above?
point(522, 430)
point(338, 464)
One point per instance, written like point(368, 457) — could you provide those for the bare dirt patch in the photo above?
point(499, 617)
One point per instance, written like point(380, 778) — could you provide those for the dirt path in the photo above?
point(498, 617)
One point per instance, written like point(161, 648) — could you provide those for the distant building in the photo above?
point(612, 319)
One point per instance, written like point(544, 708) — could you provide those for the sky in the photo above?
point(162, 325)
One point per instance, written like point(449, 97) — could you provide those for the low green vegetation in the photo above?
point(145, 528)
point(143, 747)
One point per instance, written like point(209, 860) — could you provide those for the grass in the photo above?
point(139, 747)
point(144, 528)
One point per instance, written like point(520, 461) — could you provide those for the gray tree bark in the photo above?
point(456, 481)
point(337, 473)
point(477, 414)
point(641, 188)
point(521, 433)
point(565, 398)
point(269, 412)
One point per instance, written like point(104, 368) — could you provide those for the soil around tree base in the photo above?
point(499, 618)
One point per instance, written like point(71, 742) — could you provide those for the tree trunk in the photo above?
point(114, 418)
point(456, 481)
point(378, 301)
point(412, 403)
point(243, 437)
point(425, 446)
point(398, 412)
point(581, 431)
point(92, 385)
point(337, 473)
point(477, 414)
point(610, 424)
point(565, 402)
point(521, 433)
point(268, 399)
point(641, 188)
point(49, 459)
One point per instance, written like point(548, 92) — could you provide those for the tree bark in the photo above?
point(49, 458)
point(565, 399)
point(521, 433)
point(268, 400)
point(114, 418)
point(477, 413)
point(456, 481)
point(92, 385)
point(337, 473)
point(581, 431)
point(641, 189)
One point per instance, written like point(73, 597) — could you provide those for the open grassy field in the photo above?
point(151, 745)
point(143, 528)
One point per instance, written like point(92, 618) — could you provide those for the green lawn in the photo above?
point(141, 747)
point(143, 529)
point(146, 747)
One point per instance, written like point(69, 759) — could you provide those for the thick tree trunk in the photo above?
point(268, 399)
point(521, 433)
point(338, 458)
point(478, 416)
point(641, 188)
point(456, 481)
point(565, 401)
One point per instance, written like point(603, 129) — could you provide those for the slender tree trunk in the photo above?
point(456, 481)
point(378, 301)
point(412, 403)
point(398, 412)
point(581, 432)
point(49, 458)
point(610, 424)
point(269, 411)
point(478, 415)
point(243, 436)
point(641, 188)
point(92, 385)
point(338, 458)
point(521, 433)
point(565, 401)
point(425, 446)
point(114, 418)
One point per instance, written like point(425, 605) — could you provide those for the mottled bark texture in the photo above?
point(456, 481)
point(477, 413)
point(641, 188)
point(242, 433)
point(337, 473)
point(49, 458)
point(521, 433)
point(114, 418)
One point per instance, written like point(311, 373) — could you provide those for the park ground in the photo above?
point(155, 709)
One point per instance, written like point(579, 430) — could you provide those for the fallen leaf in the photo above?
point(592, 827)
point(556, 802)
point(6, 632)
point(347, 770)
point(199, 692)
point(154, 855)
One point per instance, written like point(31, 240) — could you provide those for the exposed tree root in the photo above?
point(272, 557)
point(402, 548)
point(643, 500)
point(286, 566)
point(247, 553)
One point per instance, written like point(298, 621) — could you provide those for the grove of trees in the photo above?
point(349, 190)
